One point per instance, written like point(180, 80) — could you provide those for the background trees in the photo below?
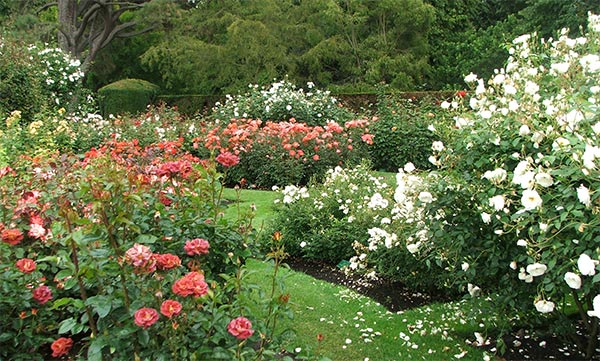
point(215, 47)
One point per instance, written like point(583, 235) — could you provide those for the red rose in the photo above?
point(26, 265)
point(191, 284)
point(461, 93)
point(61, 346)
point(241, 328)
point(42, 294)
point(196, 246)
point(227, 159)
point(170, 308)
point(12, 236)
point(145, 317)
point(167, 261)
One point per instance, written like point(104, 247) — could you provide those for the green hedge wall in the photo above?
point(126, 96)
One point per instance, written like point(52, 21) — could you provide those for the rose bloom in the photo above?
point(138, 255)
point(36, 230)
point(61, 346)
point(42, 294)
point(573, 280)
point(170, 308)
point(145, 317)
point(191, 284)
point(227, 159)
point(26, 265)
point(167, 261)
point(196, 246)
point(12, 236)
point(241, 328)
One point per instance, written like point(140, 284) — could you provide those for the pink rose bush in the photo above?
point(113, 241)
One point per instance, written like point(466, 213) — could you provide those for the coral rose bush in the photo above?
point(124, 240)
point(286, 152)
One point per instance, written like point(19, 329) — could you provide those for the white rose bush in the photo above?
point(513, 208)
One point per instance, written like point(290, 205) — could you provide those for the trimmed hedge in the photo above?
point(126, 96)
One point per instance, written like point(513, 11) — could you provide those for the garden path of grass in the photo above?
point(355, 327)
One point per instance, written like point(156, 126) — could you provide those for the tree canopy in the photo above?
point(220, 46)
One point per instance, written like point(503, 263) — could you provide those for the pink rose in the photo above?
point(145, 317)
point(42, 294)
point(26, 265)
point(170, 308)
point(196, 246)
point(241, 328)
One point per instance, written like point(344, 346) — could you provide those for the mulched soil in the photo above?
point(395, 297)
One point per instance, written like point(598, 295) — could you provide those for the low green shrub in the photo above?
point(402, 133)
point(126, 96)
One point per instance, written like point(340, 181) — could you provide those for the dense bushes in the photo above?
point(286, 152)
point(282, 101)
point(402, 134)
point(126, 96)
point(323, 221)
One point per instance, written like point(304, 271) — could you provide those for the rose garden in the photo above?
point(162, 235)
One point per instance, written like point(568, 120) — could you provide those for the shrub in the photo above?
point(323, 221)
point(126, 96)
point(514, 207)
point(402, 133)
point(125, 241)
point(20, 85)
point(286, 152)
point(282, 101)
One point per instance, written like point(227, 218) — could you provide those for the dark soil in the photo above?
point(395, 297)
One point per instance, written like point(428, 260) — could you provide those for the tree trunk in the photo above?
point(67, 19)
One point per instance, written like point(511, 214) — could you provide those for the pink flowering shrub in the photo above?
point(125, 240)
point(287, 152)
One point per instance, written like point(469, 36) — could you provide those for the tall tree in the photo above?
point(86, 26)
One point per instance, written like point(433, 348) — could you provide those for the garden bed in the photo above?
point(520, 345)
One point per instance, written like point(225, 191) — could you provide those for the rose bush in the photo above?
point(282, 101)
point(286, 152)
point(513, 208)
point(323, 221)
point(125, 240)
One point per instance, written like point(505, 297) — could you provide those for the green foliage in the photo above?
point(401, 134)
point(317, 222)
point(327, 42)
point(20, 84)
point(126, 96)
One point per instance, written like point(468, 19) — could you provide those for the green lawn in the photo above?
point(355, 327)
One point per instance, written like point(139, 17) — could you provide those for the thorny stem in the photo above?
point(114, 245)
point(82, 291)
point(592, 326)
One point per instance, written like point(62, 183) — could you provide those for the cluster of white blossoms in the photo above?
point(278, 99)
point(292, 193)
point(549, 105)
